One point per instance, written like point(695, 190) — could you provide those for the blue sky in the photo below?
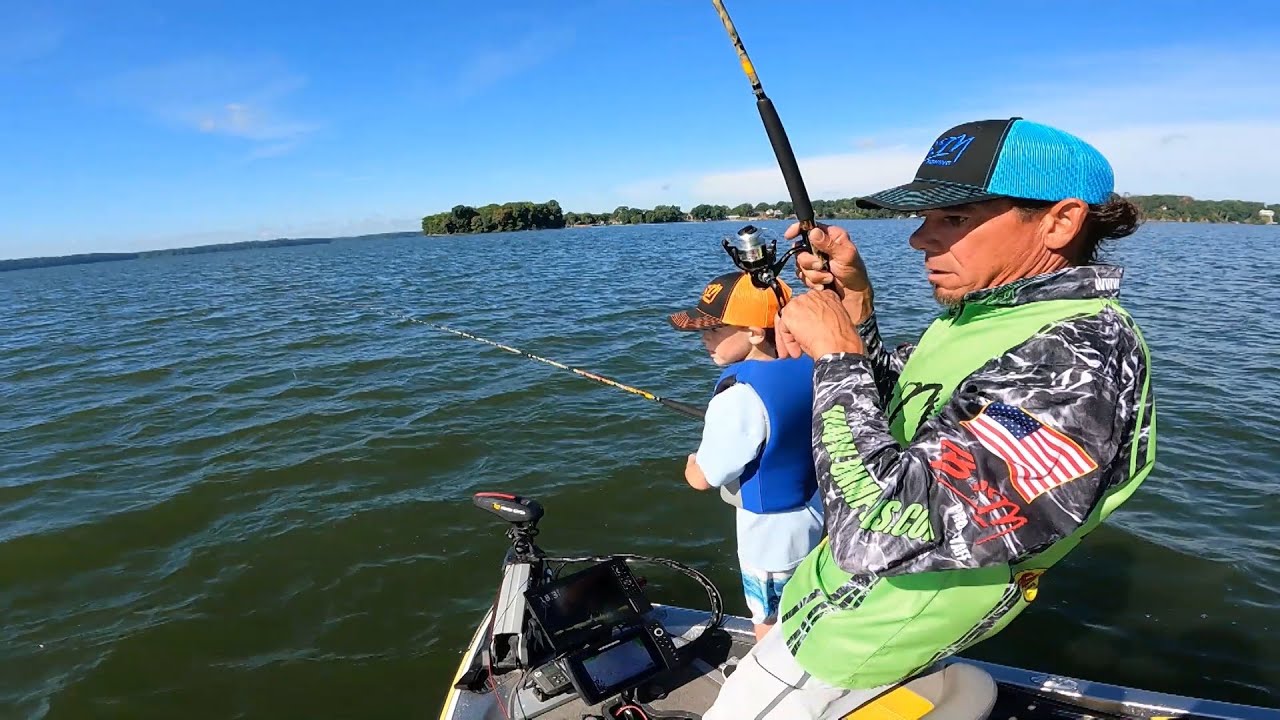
point(130, 125)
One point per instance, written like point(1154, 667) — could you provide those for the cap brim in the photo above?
point(694, 319)
point(923, 195)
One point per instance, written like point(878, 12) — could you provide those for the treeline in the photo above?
point(1181, 208)
point(86, 258)
point(495, 218)
point(538, 216)
point(83, 259)
point(828, 209)
point(623, 215)
point(513, 216)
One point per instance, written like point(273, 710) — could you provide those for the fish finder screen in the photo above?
point(615, 666)
point(583, 606)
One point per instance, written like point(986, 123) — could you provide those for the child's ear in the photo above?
point(757, 335)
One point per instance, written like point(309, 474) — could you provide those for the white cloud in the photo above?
point(825, 176)
point(1213, 161)
point(239, 119)
point(1210, 160)
point(1181, 120)
point(218, 96)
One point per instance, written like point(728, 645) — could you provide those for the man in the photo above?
point(956, 471)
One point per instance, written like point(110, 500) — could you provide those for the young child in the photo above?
point(756, 442)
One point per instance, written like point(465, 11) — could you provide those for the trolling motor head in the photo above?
point(757, 256)
point(522, 513)
point(512, 508)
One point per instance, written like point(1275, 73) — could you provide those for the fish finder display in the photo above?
point(602, 673)
point(619, 664)
point(588, 605)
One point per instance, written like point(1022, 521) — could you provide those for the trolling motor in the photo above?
point(522, 513)
point(509, 645)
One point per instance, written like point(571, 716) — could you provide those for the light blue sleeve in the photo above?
point(735, 429)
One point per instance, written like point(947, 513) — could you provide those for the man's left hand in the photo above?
point(816, 324)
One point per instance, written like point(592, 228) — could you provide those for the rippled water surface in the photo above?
point(237, 485)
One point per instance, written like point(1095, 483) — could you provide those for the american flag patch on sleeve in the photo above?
point(1039, 457)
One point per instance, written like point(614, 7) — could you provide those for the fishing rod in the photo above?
point(682, 408)
point(760, 263)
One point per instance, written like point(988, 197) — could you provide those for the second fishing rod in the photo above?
point(685, 409)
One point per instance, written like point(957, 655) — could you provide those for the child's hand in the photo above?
point(693, 474)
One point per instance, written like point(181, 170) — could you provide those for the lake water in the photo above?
point(238, 486)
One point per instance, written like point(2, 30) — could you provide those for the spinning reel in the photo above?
point(758, 257)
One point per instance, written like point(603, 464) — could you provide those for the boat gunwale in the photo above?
point(1088, 694)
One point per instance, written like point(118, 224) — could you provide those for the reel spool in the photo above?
point(757, 255)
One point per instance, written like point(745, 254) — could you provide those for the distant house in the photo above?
point(1268, 217)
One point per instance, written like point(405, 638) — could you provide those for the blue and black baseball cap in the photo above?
point(1011, 158)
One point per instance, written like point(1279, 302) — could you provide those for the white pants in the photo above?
point(769, 683)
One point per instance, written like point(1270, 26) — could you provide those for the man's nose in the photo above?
point(919, 239)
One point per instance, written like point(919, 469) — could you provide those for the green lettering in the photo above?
point(862, 495)
point(845, 470)
point(888, 516)
point(854, 486)
point(870, 516)
point(835, 433)
point(884, 517)
point(834, 428)
point(913, 512)
point(922, 530)
point(842, 450)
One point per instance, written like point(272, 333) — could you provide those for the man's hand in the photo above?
point(816, 324)
point(847, 272)
point(693, 474)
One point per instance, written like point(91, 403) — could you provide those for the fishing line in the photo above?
point(685, 409)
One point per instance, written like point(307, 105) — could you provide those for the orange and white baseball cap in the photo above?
point(732, 299)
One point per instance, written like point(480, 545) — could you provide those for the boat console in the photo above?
point(595, 622)
point(591, 646)
point(591, 636)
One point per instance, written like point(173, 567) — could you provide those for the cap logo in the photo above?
point(711, 292)
point(947, 151)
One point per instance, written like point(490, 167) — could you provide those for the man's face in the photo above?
point(973, 247)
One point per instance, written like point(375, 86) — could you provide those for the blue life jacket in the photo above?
point(782, 476)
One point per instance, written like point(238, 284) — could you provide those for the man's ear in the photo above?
point(1063, 223)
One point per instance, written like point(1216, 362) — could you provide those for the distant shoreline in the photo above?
point(92, 258)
